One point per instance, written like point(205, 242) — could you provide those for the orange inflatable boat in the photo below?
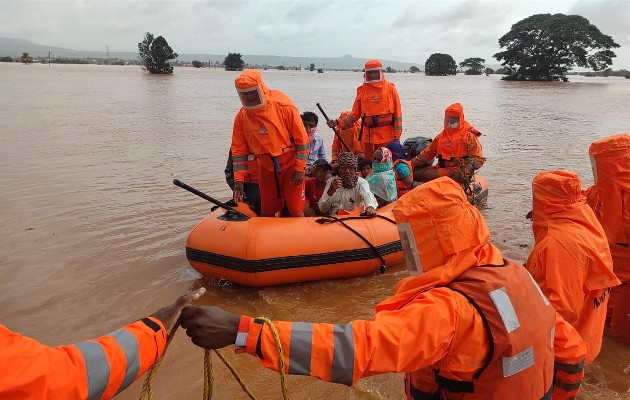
point(261, 251)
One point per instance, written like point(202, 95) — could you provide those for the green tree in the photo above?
point(197, 64)
point(474, 65)
point(390, 70)
point(311, 67)
point(545, 47)
point(6, 59)
point(155, 54)
point(234, 62)
point(413, 69)
point(488, 71)
point(440, 64)
point(26, 59)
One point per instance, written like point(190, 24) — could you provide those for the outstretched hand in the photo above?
point(210, 327)
point(169, 314)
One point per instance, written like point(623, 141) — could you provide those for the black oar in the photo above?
point(182, 185)
point(335, 130)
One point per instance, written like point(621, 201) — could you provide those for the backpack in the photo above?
point(414, 145)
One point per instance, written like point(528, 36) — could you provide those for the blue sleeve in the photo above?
point(322, 149)
point(402, 170)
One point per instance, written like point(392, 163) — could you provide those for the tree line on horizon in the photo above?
point(542, 47)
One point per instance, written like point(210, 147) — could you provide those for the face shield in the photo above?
point(451, 121)
point(373, 75)
point(251, 98)
point(594, 168)
point(408, 241)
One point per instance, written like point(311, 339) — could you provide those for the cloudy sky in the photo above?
point(408, 31)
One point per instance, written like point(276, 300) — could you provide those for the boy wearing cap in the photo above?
point(314, 187)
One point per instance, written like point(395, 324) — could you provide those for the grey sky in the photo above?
point(397, 30)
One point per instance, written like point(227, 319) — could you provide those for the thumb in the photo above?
point(188, 298)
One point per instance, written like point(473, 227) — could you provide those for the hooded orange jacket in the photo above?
point(95, 369)
point(350, 136)
point(453, 144)
point(610, 196)
point(275, 129)
point(435, 321)
point(376, 99)
point(570, 260)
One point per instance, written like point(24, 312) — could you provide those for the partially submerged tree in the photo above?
point(311, 67)
point(440, 64)
point(155, 54)
point(475, 65)
point(197, 64)
point(413, 69)
point(26, 59)
point(545, 47)
point(234, 62)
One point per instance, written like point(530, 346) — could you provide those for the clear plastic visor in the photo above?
point(373, 75)
point(451, 121)
point(251, 98)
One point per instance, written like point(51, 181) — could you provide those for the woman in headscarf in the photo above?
point(403, 170)
point(382, 181)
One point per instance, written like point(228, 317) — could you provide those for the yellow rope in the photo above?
point(208, 380)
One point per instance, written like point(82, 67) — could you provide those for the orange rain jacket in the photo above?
point(274, 130)
point(378, 104)
point(350, 136)
point(610, 199)
point(441, 323)
point(571, 261)
point(400, 185)
point(95, 369)
point(453, 144)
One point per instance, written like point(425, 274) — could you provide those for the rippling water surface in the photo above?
point(92, 231)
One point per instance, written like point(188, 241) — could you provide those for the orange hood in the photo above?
point(560, 211)
point(610, 158)
point(251, 78)
point(451, 236)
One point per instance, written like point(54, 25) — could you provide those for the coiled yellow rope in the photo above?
point(208, 380)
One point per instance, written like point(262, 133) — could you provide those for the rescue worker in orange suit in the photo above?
point(378, 106)
point(570, 260)
point(350, 137)
point(456, 147)
point(270, 127)
point(95, 369)
point(468, 323)
point(610, 199)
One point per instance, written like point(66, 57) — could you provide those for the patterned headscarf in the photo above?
point(387, 155)
point(348, 159)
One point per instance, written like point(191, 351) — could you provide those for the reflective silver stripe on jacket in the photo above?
point(398, 128)
point(519, 362)
point(505, 308)
point(569, 368)
point(240, 167)
point(343, 355)
point(302, 156)
point(97, 366)
point(239, 159)
point(300, 351)
point(397, 119)
point(303, 147)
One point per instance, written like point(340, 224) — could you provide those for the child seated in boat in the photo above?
point(366, 169)
point(314, 187)
point(348, 190)
point(382, 181)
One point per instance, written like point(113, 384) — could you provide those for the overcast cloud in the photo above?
point(407, 31)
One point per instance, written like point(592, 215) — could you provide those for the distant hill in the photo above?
point(14, 47)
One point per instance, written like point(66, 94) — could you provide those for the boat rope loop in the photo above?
point(208, 380)
point(330, 219)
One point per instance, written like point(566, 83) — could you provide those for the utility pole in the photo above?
point(107, 54)
point(49, 59)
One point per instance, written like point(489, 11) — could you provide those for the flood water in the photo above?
point(92, 231)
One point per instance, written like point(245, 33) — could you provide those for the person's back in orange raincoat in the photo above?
point(378, 107)
point(456, 147)
point(570, 260)
point(610, 199)
point(270, 127)
point(470, 324)
point(350, 137)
